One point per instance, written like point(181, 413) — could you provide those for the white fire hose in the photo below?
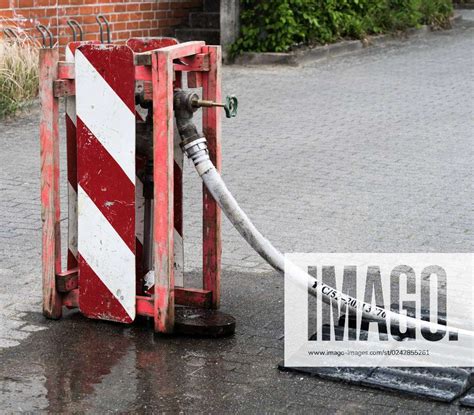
point(197, 151)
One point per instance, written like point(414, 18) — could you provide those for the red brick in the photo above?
point(71, 11)
point(6, 14)
point(119, 26)
point(106, 9)
point(145, 24)
point(85, 10)
point(132, 7)
point(135, 16)
point(136, 33)
point(122, 35)
point(88, 20)
point(116, 17)
point(25, 3)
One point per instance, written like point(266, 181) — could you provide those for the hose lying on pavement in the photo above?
point(195, 147)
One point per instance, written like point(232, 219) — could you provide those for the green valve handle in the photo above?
point(231, 105)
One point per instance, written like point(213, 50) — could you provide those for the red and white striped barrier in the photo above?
point(105, 106)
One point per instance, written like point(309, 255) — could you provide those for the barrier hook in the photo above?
point(45, 32)
point(74, 24)
point(10, 33)
point(101, 21)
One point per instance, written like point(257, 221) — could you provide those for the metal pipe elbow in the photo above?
point(184, 110)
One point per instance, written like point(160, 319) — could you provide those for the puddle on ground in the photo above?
point(79, 365)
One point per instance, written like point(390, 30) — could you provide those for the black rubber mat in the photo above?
point(468, 398)
point(442, 384)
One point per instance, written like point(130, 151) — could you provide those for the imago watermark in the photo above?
point(359, 309)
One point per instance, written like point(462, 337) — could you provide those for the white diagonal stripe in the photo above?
point(106, 253)
point(105, 114)
point(69, 54)
point(71, 109)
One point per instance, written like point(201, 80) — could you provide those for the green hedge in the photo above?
point(278, 25)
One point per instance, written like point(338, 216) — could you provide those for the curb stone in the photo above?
point(303, 55)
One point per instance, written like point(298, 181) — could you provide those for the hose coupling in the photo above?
point(197, 151)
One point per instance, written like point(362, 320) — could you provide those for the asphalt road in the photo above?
point(370, 152)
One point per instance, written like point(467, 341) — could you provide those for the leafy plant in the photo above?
point(279, 25)
point(436, 13)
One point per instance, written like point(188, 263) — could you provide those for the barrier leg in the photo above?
point(50, 204)
point(163, 223)
point(212, 244)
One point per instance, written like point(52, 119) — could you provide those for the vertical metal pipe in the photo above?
point(148, 237)
point(148, 220)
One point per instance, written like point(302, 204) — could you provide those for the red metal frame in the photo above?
point(212, 245)
point(50, 202)
point(161, 70)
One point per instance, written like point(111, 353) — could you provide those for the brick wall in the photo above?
point(128, 18)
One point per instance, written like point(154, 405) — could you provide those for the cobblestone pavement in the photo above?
point(369, 152)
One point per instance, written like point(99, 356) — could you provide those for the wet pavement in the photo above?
point(78, 365)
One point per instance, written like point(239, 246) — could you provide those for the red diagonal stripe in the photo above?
point(71, 260)
point(95, 299)
point(106, 184)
